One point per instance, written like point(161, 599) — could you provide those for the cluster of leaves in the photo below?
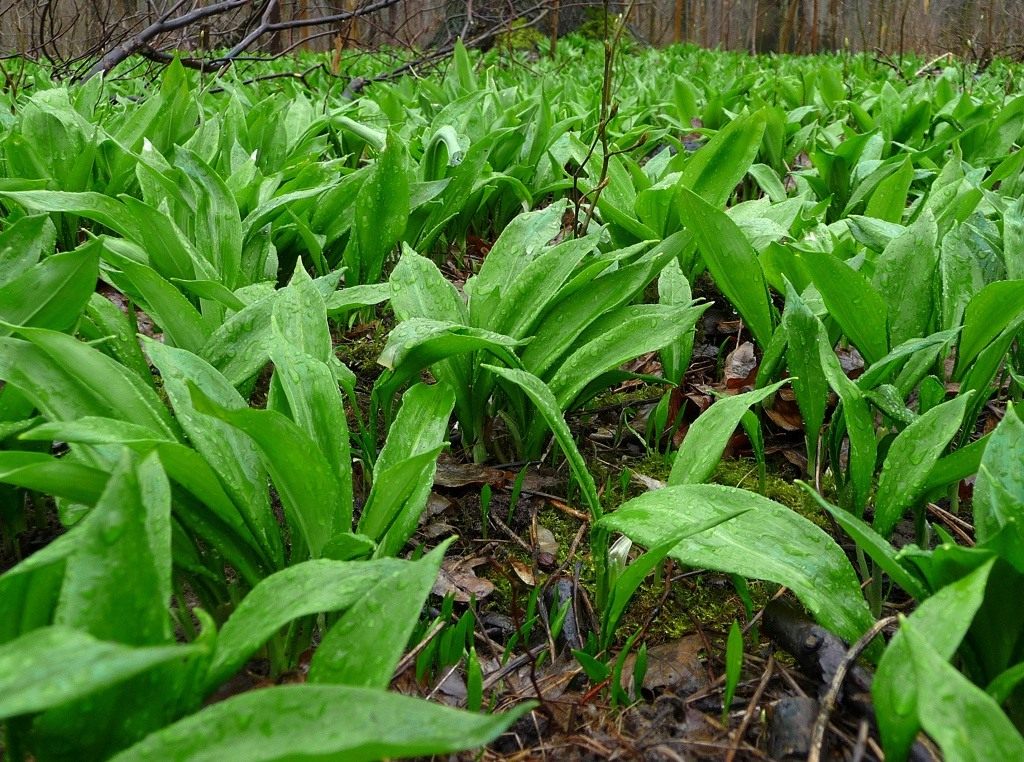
point(830, 203)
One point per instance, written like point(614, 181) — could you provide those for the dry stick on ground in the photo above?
point(751, 708)
point(828, 703)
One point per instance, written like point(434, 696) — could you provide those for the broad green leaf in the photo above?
point(804, 361)
point(59, 477)
point(910, 459)
point(23, 243)
point(524, 299)
point(631, 578)
point(320, 722)
point(988, 314)
point(381, 212)
point(890, 196)
point(707, 437)
point(347, 299)
point(674, 288)
point(1013, 239)
point(95, 206)
point(308, 487)
point(616, 338)
point(904, 276)
point(231, 454)
point(999, 488)
point(717, 168)
point(418, 290)
point(414, 439)
point(311, 587)
point(216, 220)
point(239, 348)
point(418, 343)
point(572, 313)
point(68, 379)
point(179, 320)
point(519, 244)
point(766, 541)
point(53, 293)
point(30, 590)
point(125, 545)
point(943, 621)
point(882, 370)
point(316, 405)
point(852, 302)
point(872, 543)
point(547, 406)
point(731, 261)
point(966, 723)
point(56, 665)
point(365, 645)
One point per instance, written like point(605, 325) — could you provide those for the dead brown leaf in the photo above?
point(458, 577)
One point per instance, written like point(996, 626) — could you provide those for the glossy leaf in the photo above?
point(731, 261)
point(708, 436)
point(766, 541)
point(320, 722)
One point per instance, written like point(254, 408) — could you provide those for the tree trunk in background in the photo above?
point(814, 26)
point(677, 22)
point(753, 27)
point(554, 28)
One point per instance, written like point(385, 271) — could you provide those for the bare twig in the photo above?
point(828, 703)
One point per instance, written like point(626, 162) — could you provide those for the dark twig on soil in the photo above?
point(828, 702)
point(748, 715)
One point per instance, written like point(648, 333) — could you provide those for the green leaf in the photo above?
point(365, 645)
point(118, 578)
point(707, 437)
point(733, 665)
point(547, 406)
point(304, 479)
point(216, 220)
point(53, 293)
point(905, 275)
point(59, 477)
point(910, 459)
point(524, 300)
point(999, 488)
point(965, 722)
point(29, 591)
point(23, 243)
point(180, 321)
point(418, 343)
point(618, 337)
point(804, 360)
point(890, 196)
point(852, 302)
point(68, 379)
point(943, 620)
point(627, 583)
point(860, 423)
point(55, 665)
point(714, 171)
point(519, 245)
point(991, 311)
point(321, 722)
point(767, 541)
point(95, 206)
point(571, 313)
point(732, 262)
point(419, 290)
point(231, 454)
point(311, 587)
point(872, 543)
